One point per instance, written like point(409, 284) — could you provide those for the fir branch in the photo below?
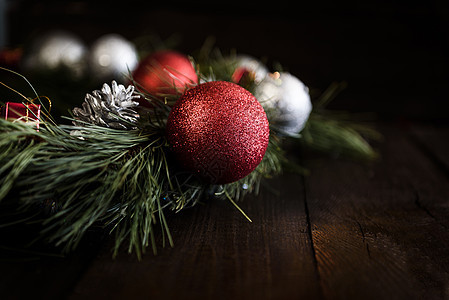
point(124, 180)
point(92, 178)
point(337, 132)
point(332, 135)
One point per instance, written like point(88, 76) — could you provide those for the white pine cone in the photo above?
point(111, 107)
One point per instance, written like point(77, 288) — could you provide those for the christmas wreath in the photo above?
point(185, 129)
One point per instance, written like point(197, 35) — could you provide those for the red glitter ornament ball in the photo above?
point(219, 131)
point(165, 72)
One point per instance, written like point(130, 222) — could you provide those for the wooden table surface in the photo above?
point(346, 231)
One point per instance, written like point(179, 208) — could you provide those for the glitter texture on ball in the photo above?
point(219, 131)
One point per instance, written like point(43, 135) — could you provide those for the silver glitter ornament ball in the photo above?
point(112, 57)
point(55, 50)
point(287, 99)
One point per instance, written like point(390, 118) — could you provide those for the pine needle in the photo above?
point(124, 180)
point(238, 207)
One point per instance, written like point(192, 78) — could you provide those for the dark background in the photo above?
point(392, 54)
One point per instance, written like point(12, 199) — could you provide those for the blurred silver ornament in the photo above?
point(111, 107)
point(253, 65)
point(112, 57)
point(287, 99)
point(55, 50)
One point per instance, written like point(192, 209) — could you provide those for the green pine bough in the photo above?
point(124, 180)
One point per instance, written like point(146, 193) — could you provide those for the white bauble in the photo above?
point(288, 100)
point(54, 50)
point(252, 65)
point(112, 57)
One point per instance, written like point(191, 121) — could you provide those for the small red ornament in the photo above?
point(219, 131)
point(243, 76)
point(165, 72)
point(28, 113)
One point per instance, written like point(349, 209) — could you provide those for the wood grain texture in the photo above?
point(434, 142)
point(375, 229)
point(220, 255)
point(347, 231)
